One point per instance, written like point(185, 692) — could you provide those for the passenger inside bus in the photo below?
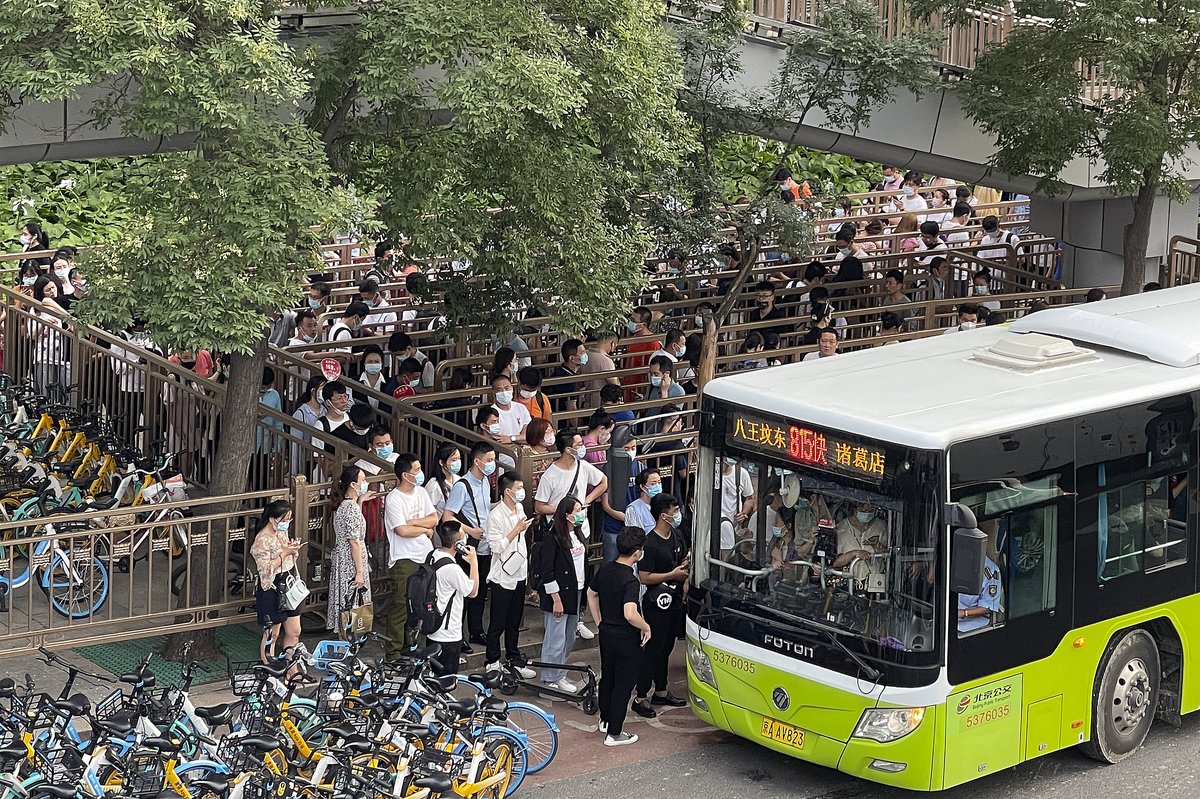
point(860, 536)
point(985, 609)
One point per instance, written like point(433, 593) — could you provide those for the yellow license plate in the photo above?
point(782, 733)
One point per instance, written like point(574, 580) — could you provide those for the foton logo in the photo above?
point(964, 703)
point(784, 645)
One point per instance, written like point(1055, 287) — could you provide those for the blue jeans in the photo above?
point(558, 643)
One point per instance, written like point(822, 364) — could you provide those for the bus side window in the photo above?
point(1136, 531)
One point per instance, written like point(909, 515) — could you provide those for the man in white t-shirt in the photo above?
point(343, 332)
point(514, 417)
point(737, 501)
point(381, 321)
point(409, 519)
point(993, 236)
point(571, 469)
point(827, 344)
point(453, 586)
point(955, 228)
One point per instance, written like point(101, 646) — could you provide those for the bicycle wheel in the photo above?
point(516, 747)
point(76, 589)
point(189, 773)
point(500, 762)
point(541, 733)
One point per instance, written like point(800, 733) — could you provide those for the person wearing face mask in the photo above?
point(968, 319)
point(308, 412)
point(381, 321)
point(514, 417)
point(672, 348)
point(614, 599)
point(343, 332)
point(349, 568)
point(402, 348)
point(355, 431)
point(637, 513)
point(561, 557)
point(637, 353)
point(61, 269)
point(317, 300)
point(274, 553)
point(765, 311)
point(600, 365)
point(662, 385)
point(843, 209)
point(447, 466)
point(34, 239)
point(470, 502)
point(373, 376)
point(571, 476)
point(509, 570)
point(539, 436)
point(596, 437)
point(663, 570)
point(268, 447)
point(564, 390)
point(409, 519)
point(910, 201)
point(529, 394)
point(939, 204)
point(306, 333)
point(379, 444)
point(407, 384)
point(844, 245)
point(860, 535)
point(980, 287)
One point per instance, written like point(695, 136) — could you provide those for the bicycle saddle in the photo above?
point(358, 745)
point(77, 705)
point(494, 705)
point(55, 791)
point(13, 752)
point(143, 676)
point(436, 783)
point(464, 708)
point(277, 671)
point(490, 680)
point(344, 730)
point(161, 744)
point(262, 743)
point(213, 783)
point(443, 684)
point(8, 687)
point(119, 724)
point(215, 715)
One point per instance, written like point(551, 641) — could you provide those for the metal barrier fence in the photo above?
point(1183, 262)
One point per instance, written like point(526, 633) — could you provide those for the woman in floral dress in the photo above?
point(349, 569)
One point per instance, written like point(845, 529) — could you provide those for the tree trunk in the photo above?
point(230, 472)
point(1137, 236)
point(708, 350)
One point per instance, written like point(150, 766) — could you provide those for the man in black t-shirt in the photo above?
point(664, 572)
point(613, 600)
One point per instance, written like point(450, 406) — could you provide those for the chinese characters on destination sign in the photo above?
point(808, 446)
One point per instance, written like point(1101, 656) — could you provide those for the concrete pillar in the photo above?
point(1092, 230)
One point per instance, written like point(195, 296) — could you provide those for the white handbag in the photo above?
point(293, 592)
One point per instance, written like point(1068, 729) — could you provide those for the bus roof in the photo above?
point(935, 391)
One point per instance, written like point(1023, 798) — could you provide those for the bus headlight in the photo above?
point(890, 724)
point(701, 665)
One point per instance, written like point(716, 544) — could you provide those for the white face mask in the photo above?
point(966, 326)
point(981, 289)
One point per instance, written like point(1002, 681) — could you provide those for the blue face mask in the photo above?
point(653, 490)
point(656, 380)
point(677, 519)
point(519, 495)
point(504, 397)
point(631, 327)
point(580, 452)
point(583, 358)
point(699, 320)
point(777, 532)
point(909, 191)
point(313, 303)
point(385, 451)
point(373, 368)
point(419, 479)
point(455, 466)
point(489, 468)
point(283, 526)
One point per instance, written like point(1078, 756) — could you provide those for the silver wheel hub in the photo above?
point(1131, 697)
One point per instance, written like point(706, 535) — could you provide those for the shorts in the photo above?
point(266, 604)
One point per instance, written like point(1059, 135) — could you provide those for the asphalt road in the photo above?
point(1166, 768)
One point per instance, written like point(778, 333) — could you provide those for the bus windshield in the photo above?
point(810, 549)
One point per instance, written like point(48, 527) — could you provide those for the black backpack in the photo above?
point(421, 593)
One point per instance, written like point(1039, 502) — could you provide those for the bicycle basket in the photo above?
point(365, 776)
point(242, 678)
point(235, 757)
point(329, 652)
point(145, 773)
point(59, 764)
point(264, 721)
point(331, 695)
point(167, 706)
point(392, 683)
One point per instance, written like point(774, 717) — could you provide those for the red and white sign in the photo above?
point(331, 368)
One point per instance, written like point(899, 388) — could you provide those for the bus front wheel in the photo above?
point(1125, 698)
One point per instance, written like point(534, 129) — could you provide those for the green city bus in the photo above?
point(921, 564)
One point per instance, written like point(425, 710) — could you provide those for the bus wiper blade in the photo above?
point(831, 633)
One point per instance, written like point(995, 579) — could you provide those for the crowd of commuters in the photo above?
point(605, 416)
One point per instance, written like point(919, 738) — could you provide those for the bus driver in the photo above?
point(976, 611)
point(860, 536)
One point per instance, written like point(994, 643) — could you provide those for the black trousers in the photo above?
point(475, 628)
point(620, 665)
point(508, 610)
point(664, 625)
point(448, 657)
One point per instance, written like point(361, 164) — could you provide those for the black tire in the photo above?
point(590, 706)
point(1124, 697)
point(508, 684)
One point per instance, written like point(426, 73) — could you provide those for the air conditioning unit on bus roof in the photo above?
point(1033, 352)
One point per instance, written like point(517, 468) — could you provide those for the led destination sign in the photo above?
point(809, 446)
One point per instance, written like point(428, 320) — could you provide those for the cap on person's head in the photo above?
point(991, 223)
point(930, 229)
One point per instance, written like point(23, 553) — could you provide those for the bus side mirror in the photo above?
point(968, 548)
point(956, 514)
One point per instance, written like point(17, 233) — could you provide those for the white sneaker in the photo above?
point(602, 726)
point(620, 740)
point(525, 672)
point(492, 666)
point(564, 685)
point(583, 632)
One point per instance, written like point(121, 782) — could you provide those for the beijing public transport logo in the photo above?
point(964, 703)
point(988, 697)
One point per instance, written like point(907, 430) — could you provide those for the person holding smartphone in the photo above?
point(664, 571)
point(274, 553)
